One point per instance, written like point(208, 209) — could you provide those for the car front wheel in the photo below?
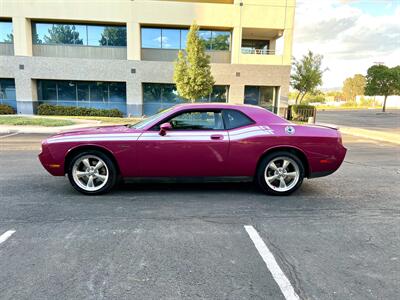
point(92, 173)
point(280, 173)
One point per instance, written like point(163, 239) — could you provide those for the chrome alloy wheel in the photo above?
point(282, 174)
point(90, 173)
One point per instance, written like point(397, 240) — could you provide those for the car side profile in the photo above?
point(201, 141)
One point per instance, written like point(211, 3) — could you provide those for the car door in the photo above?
point(196, 146)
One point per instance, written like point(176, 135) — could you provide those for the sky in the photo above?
point(352, 35)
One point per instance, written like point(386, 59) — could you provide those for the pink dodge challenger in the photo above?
point(206, 141)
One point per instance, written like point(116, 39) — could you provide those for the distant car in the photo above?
point(207, 141)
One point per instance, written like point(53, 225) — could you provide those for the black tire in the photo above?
point(111, 168)
point(261, 180)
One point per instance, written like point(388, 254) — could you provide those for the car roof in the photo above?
point(214, 105)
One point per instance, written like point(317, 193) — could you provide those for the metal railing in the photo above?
point(258, 51)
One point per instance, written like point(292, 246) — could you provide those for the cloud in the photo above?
point(350, 38)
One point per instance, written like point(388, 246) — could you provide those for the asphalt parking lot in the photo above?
point(372, 119)
point(336, 238)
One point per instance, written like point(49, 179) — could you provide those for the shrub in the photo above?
point(58, 110)
point(6, 109)
point(301, 112)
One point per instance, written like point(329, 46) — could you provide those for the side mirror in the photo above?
point(164, 127)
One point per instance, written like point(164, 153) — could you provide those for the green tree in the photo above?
point(62, 34)
point(192, 74)
point(306, 74)
point(353, 86)
point(113, 36)
point(383, 81)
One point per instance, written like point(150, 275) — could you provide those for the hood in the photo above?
point(96, 130)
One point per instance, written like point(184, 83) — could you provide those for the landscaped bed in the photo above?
point(47, 122)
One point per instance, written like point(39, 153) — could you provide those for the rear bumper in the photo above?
point(330, 165)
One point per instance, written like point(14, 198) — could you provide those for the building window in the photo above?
point(78, 34)
point(7, 92)
point(264, 96)
point(94, 94)
point(160, 96)
point(6, 32)
point(172, 38)
point(256, 47)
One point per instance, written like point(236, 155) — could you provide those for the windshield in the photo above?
point(150, 119)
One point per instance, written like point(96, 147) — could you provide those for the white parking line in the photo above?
point(269, 259)
point(8, 135)
point(4, 237)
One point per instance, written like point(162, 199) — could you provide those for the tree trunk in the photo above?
point(301, 99)
point(297, 98)
point(384, 104)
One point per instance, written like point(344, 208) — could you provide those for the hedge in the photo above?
point(301, 112)
point(6, 109)
point(58, 110)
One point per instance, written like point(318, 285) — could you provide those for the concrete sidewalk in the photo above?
point(387, 137)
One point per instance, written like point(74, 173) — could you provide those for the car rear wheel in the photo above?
point(280, 173)
point(92, 173)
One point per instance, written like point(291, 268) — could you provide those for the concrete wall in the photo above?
point(77, 51)
point(6, 49)
point(172, 54)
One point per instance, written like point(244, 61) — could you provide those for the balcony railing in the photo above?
point(258, 51)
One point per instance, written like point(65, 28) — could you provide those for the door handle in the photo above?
point(217, 137)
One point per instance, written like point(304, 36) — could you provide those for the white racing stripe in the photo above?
point(236, 134)
point(5, 236)
point(269, 259)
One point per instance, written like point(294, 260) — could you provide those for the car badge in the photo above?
point(290, 130)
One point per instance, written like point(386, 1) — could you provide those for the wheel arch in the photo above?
point(74, 151)
point(294, 150)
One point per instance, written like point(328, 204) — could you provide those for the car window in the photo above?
point(198, 120)
point(235, 119)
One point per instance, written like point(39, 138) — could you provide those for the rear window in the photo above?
point(235, 119)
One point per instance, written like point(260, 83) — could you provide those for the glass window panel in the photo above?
point(236, 119)
point(39, 31)
point(112, 36)
point(151, 37)
point(152, 98)
point(221, 40)
point(117, 92)
point(184, 33)
point(170, 38)
point(205, 36)
point(219, 93)
point(98, 91)
point(169, 94)
point(47, 90)
point(83, 91)
point(198, 120)
point(7, 89)
point(267, 97)
point(6, 34)
point(66, 90)
point(95, 37)
point(59, 34)
point(251, 95)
